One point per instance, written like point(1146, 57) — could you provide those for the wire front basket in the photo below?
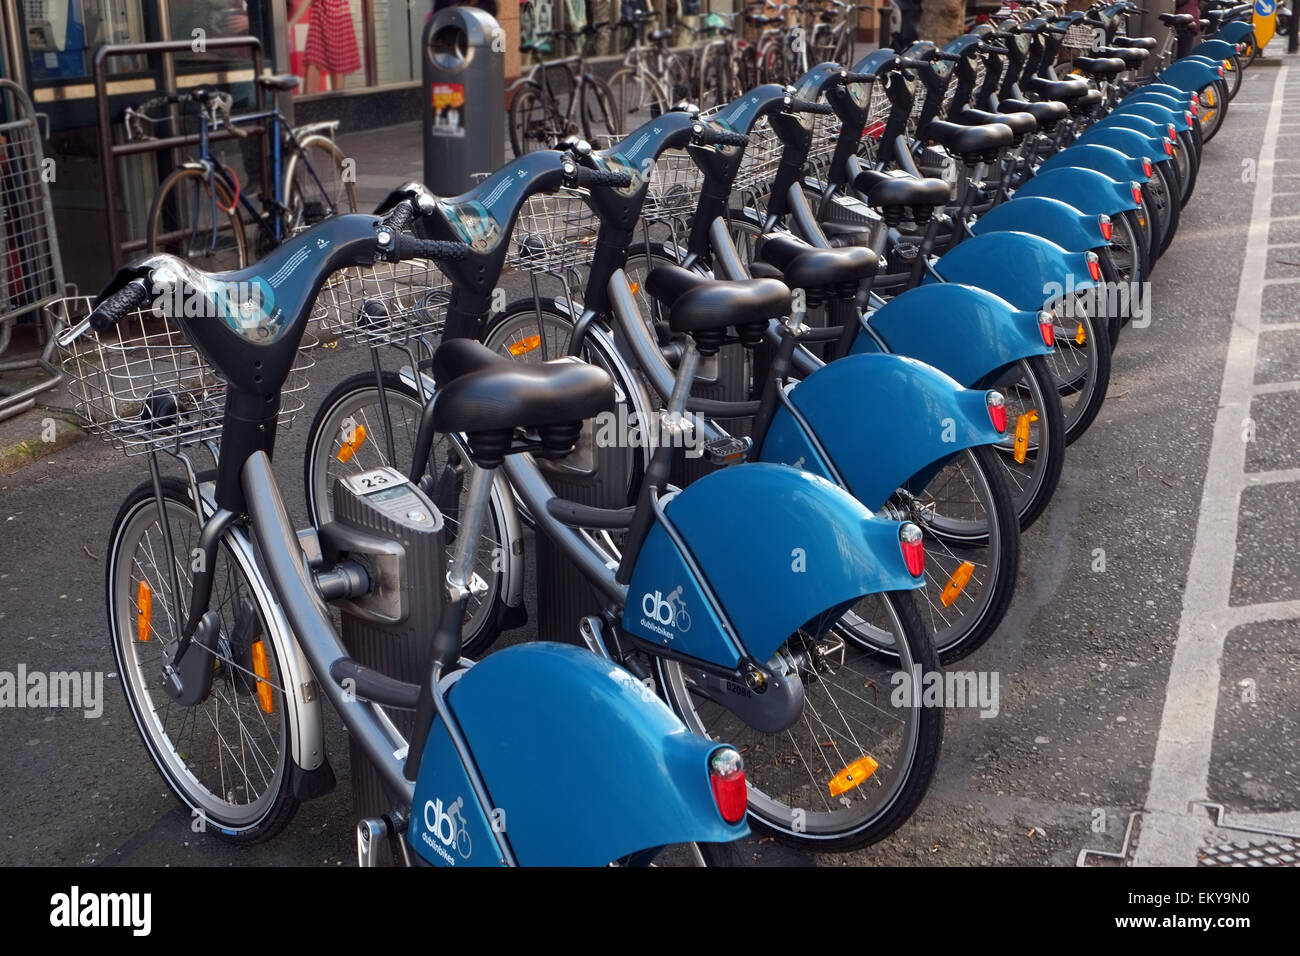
point(388, 303)
point(555, 233)
point(142, 387)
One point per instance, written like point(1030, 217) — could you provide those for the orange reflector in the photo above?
point(1022, 435)
point(852, 775)
point(144, 614)
point(355, 440)
point(1080, 336)
point(263, 672)
point(524, 346)
point(957, 583)
point(634, 287)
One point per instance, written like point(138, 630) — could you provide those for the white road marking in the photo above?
point(1170, 836)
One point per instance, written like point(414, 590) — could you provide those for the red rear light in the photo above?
point(909, 540)
point(727, 778)
point(1221, 68)
point(1107, 228)
point(1189, 115)
point(1137, 192)
point(1173, 133)
point(1169, 148)
point(1195, 103)
point(1047, 329)
point(1094, 266)
point(997, 411)
point(1147, 169)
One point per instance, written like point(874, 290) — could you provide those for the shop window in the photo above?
point(63, 35)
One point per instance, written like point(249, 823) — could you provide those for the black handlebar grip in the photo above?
point(708, 136)
point(847, 77)
point(602, 177)
point(400, 216)
point(950, 57)
point(113, 309)
point(412, 247)
point(908, 63)
point(807, 106)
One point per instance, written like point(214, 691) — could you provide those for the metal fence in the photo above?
point(31, 272)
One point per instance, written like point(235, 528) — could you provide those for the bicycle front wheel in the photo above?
point(349, 436)
point(535, 123)
point(226, 757)
point(636, 98)
point(317, 184)
point(195, 216)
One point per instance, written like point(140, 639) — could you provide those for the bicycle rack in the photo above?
point(109, 151)
point(31, 270)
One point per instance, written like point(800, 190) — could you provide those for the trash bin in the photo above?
point(464, 98)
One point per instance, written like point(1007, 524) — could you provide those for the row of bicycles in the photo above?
point(812, 367)
point(767, 42)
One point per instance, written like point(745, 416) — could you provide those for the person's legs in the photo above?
point(336, 80)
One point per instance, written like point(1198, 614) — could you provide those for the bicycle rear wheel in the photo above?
point(195, 216)
point(317, 184)
point(636, 97)
point(535, 123)
point(853, 714)
point(600, 115)
point(227, 757)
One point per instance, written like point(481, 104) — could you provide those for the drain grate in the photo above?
point(1280, 853)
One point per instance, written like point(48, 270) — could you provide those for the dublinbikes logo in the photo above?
point(448, 830)
point(239, 303)
point(661, 613)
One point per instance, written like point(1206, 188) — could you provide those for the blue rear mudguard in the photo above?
point(1127, 141)
point(1161, 93)
point(1154, 130)
point(776, 546)
point(1234, 31)
point(965, 332)
point(930, 418)
point(582, 764)
point(1214, 49)
point(1189, 74)
point(1085, 189)
point(1050, 219)
point(1025, 271)
point(1104, 159)
point(1159, 113)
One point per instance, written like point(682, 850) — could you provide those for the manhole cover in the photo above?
point(1283, 853)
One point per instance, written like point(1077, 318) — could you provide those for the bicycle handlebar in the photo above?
point(708, 136)
point(807, 106)
point(113, 309)
point(403, 245)
point(585, 178)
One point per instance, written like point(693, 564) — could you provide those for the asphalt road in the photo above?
point(1085, 658)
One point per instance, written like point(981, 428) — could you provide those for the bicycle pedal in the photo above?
point(726, 451)
point(907, 251)
point(372, 833)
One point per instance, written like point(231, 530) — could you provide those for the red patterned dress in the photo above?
point(331, 40)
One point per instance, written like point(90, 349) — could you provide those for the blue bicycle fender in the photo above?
point(1026, 271)
point(1215, 49)
point(1105, 159)
point(1158, 113)
point(1156, 129)
point(776, 545)
point(967, 333)
point(1127, 141)
point(1235, 31)
point(1053, 220)
point(589, 769)
point(1189, 74)
point(930, 418)
point(1085, 189)
point(1172, 97)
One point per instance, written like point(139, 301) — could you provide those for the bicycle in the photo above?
point(537, 120)
point(217, 609)
point(619, 550)
point(650, 80)
point(199, 208)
